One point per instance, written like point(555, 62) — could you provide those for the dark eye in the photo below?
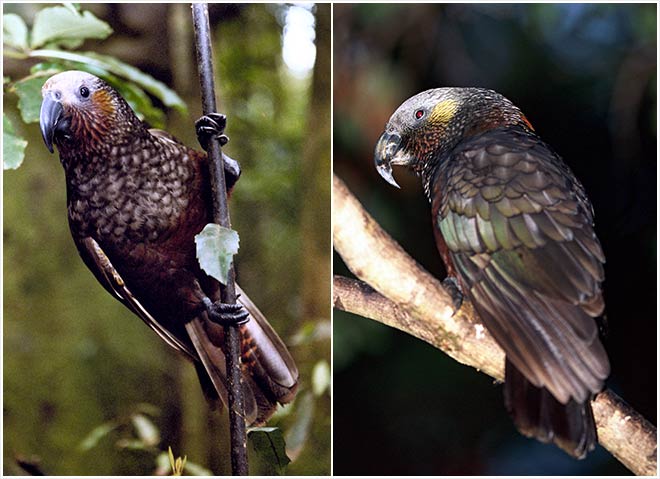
point(84, 92)
point(419, 114)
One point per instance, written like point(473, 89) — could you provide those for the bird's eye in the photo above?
point(419, 114)
point(84, 92)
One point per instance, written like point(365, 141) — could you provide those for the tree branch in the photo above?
point(237, 429)
point(400, 293)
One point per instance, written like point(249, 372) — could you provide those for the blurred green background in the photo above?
point(585, 76)
point(74, 358)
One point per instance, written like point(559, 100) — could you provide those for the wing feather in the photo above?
point(520, 233)
point(99, 263)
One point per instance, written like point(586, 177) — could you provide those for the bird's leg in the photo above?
point(213, 126)
point(226, 314)
point(451, 286)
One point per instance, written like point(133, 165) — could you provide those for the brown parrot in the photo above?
point(136, 198)
point(515, 230)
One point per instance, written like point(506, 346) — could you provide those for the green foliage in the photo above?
point(15, 32)
point(28, 90)
point(56, 30)
point(13, 146)
point(320, 377)
point(138, 432)
point(66, 27)
point(268, 450)
point(216, 247)
point(298, 434)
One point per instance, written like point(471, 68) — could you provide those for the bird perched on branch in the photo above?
point(515, 229)
point(136, 198)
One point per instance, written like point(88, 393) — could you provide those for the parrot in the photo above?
point(136, 198)
point(515, 230)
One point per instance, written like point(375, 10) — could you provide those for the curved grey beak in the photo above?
point(49, 119)
point(386, 155)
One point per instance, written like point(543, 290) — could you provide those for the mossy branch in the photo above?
point(397, 291)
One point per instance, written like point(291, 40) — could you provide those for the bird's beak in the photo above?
point(50, 118)
point(389, 152)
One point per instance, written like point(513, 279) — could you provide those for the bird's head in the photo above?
point(431, 123)
point(79, 110)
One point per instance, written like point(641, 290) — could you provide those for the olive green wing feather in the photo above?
point(519, 229)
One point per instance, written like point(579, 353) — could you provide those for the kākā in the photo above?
point(515, 230)
point(136, 198)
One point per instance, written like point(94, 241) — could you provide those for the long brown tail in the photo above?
point(270, 375)
point(536, 413)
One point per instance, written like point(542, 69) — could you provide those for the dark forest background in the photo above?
point(75, 360)
point(585, 76)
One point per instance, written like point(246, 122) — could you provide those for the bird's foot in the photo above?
point(451, 285)
point(211, 126)
point(226, 314)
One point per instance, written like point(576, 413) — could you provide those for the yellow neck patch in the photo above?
point(443, 112)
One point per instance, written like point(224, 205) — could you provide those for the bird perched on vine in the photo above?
point(515, 229)
point(136, 198)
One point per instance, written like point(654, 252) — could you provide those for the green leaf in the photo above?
point(64, 26)
point(320, 377)
point(14, 31)
point(297, 435)
point(29, 95)
point(98, 433)
point(116, 67)
point(268, 445)
point(216, 247)
point(146, 430)
point(13, 146)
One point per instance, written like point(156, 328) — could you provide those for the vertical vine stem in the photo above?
point(237, 429)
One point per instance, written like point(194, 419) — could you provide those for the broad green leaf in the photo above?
point(320, 377)
point(146, 430)
point(114, 66)
point(14, 31)
point(13, 146)
point(66, 27)
point(29, 95)
point(216, 247)
point(98, 433)
point(267, 443)
point(297, 435)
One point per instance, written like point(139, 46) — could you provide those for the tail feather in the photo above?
point(270, 375)
point(536, 413)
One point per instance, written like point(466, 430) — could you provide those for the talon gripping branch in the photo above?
point(515, 228)
point(136, 198)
